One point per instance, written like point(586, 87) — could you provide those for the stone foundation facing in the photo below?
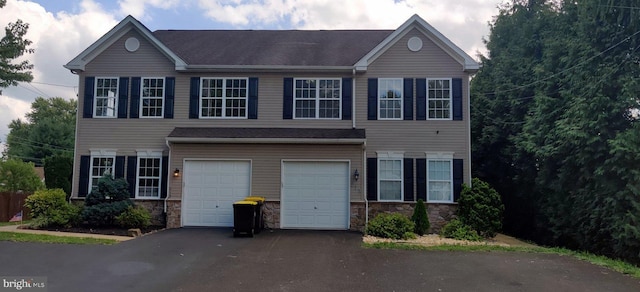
point(439, 214)
point(156, 208)
point(173, 213)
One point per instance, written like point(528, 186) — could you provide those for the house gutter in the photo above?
point(364, 173)
point(168, 178)
point(353, 99)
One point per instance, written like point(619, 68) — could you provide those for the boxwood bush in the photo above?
point(456, 229)
point(134, 217)
point(481, 208)
point(49, 208)
point(391, 225)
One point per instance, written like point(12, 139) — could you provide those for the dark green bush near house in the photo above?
point(393, 225)
point(49, 208)
point(134, 217)
point(106, 202)
point(420, 218)
point(481, 208)
point(457, 230)
point(58, 170)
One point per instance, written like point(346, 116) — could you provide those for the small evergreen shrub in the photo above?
point(106, 202)
point(137, 217)
point(393, 225)
point(420, 218)
point(105, 214)
point(49, 208)
point(481, 208)
point(457, 230)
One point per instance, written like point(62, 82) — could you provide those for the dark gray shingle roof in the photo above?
point(267, 133)
point(271, 47)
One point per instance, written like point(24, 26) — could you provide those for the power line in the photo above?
point(53, 84)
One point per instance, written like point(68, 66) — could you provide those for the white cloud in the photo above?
point(139, 8)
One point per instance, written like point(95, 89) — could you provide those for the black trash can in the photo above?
point(244, 218)
point(259, 222)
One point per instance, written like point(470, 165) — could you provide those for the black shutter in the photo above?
point(458, 174)
point(87, 109)
point(194, 98)
point(372, 99)
point(134, 108)
point(165, 176)
point(421, 179)
point(456, 92)
point(421, 99)
point(169, 96)
point(408, 98)
point(119, 167)
point(347, 98)
point(408, 179)
point(83, 182)
point(372, 179)
point(132, 171)
point(253, 98)
point(287, 99)
point(123, 97)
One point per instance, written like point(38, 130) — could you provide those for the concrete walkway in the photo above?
point(14, 228)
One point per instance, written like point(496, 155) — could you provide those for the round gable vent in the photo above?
point(132, 44)
point(414, 44)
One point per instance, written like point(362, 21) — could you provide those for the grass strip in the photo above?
point(29, 237)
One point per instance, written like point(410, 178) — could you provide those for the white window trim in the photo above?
point(164, 95)
point(224, 104)
point(95, 102)
point(446, 156)
point(317, 99)
point(100, 153)
point(148, 154)
point(450, 100)
point(401, 100)
point(382, 155)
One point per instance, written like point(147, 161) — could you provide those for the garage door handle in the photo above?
point(315, 207)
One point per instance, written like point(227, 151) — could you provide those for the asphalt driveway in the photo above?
point(283, 260)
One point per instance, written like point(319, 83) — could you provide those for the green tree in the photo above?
point(58, 170)
point(16, 175)
point(12, 46)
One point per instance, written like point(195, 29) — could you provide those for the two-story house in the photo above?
point(331, 126)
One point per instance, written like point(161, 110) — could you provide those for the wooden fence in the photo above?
point(11, 204)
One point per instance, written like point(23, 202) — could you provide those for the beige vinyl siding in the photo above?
point(266, 163)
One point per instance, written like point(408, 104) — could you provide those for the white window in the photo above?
point(149, 176)
point(390, 176)
point(106, 97)
point(440, 180)
point(439, 99)
point(317, 98)
point(223, 97)
point(152, 98)
point(390, 98)
point(102, 163)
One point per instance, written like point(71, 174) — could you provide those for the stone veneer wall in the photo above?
point(156, 208)
point(271, 215)
point(439, 214)
point(173, 213)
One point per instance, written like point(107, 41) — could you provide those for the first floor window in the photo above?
point(152, 97)
point(223, 97)
point(101, 165)
point(317, 98)
point(149, 175)
point(439, 180)
point(390, 98)
point(105, 97)
point(439, 99)
point(390, 179)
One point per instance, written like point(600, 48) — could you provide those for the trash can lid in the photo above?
point(245, 203)
point(255, 198)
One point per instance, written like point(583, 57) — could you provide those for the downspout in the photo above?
point(364, 149)
point(353, 99)
point(469, 128)
point(75, 144)
point(168, 178)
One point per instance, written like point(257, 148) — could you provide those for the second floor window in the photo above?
point(223, 98)
point(317, 98)
point(152, 97)
point(106, 95)
point(390, 98)
point(439, 99)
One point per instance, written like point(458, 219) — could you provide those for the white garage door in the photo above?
point(315, 195)
point(210, 188)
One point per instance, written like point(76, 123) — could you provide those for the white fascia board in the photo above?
point(264, 140)
point(263, 68)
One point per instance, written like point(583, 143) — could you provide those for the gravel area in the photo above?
point(434, 239)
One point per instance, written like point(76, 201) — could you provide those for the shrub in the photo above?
point(481, 208)
point(137, 217)
point(457, 230)
point(394, 226)
point(106, 202)
point(50, 208)
point(104, 214)
point(420, 218)
point(58, 169)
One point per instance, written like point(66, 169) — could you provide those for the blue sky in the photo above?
point(61, 29)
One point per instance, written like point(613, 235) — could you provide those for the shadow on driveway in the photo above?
point(194, 259)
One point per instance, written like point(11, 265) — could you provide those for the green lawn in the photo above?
point(14, 223)
point(28, 237)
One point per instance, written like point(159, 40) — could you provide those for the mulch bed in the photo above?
point(105, 230)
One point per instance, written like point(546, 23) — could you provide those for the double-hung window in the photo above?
point(439, 99)
point(106, 94)
point(149, 176)
point(223, 97)
point(317, 98)
point(390, 98)
point(440, 179)
point(152, 97)
point(102, 163)
point(390, 174)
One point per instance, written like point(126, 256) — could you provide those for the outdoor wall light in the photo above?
point(356, 175)
point(176, 173)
